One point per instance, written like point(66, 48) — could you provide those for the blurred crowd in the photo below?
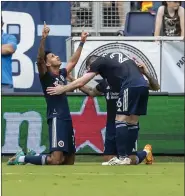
point(104, 15)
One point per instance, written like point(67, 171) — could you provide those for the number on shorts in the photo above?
point(122, 103)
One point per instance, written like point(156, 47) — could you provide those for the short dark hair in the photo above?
point(45, 55)
point(91, 59)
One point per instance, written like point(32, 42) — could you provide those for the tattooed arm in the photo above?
point(153, 83)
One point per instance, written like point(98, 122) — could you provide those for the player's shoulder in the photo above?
point(102, 86)
point(44, 76)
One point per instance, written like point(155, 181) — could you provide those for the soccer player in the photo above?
point(111, 98)
point(61, 136)
point(123, 76)
point(110, 149)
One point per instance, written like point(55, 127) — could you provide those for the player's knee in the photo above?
point(52, 161)
point(56, 162)
point(55, 159)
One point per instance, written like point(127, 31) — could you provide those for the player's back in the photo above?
point(57, 105)
point(120, 71)
point(123, 70)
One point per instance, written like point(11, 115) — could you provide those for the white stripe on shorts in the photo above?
point(54, 132)
point(121, 125)
point(125, 100)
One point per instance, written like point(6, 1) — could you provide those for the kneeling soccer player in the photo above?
point(61, 135)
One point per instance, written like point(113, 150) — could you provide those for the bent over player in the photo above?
point(110, 149)
point(123, 76)
point(61, 136)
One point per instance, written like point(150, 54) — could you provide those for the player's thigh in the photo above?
point(60, 134)
point(143, 100)
point(132, 101)
point(125, 102)
point(70, 138)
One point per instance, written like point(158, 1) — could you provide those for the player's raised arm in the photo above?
point(41, 64)
point(74, 59)
point(153, 83)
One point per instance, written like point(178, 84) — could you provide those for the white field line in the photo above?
point(83, 174)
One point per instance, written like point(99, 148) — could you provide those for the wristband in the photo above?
point(81, 44)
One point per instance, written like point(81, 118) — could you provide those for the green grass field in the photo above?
point(92, 179)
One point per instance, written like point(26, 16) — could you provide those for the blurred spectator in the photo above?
point(8, 47)
point(113, 14)
point(170, 19)
point(135, 5)
point(146, 6)
point(150, 6)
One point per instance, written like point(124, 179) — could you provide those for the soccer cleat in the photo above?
point(31, 152)
point(15, 158)
point(113, 161)
point(149, 157)
point(126, 161)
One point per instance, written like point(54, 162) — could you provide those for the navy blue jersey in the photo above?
point(111, 98)
point(57, 105)
point(119, 70)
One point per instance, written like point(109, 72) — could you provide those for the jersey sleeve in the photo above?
point(97, 65)
point(101, 87)
point(63, 72)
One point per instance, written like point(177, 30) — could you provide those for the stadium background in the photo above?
point(23, 113)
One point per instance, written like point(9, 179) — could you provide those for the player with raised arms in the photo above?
point(61, 135)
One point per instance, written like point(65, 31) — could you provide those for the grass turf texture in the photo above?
point(92, 179)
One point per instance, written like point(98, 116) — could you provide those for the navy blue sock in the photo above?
point(121, 138)
point(141, 156)
point(36, 160)
point(132, 137)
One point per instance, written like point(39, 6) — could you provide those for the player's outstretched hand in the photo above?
point(45, 30)
point(142, 67)
point(84, 36)
point(57, 90)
